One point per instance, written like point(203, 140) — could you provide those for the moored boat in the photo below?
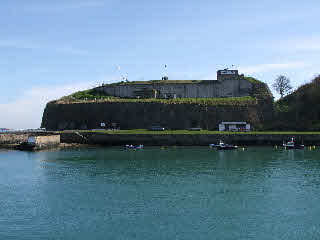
point(134, 146)
point(291, 145)
point(223, 146)
point(35, 143)
point(26, 146)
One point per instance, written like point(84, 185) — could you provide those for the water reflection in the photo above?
point(229, 171)
point(170, 161)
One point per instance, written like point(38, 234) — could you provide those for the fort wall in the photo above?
point(203, 89)
point(142, 115)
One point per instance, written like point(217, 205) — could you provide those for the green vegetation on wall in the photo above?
point(253, 80)
point(81, 97)
point(87, 95)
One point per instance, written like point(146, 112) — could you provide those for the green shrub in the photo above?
point(281, 107)
point(90, 94)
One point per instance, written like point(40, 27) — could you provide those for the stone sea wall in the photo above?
point(170, 139)
point(50, 140)
point(14, 138)
point(186, 139)
point(6, 138)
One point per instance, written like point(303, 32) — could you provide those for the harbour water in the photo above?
point(160, 193)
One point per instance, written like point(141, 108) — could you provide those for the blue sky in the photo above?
point(52, 48)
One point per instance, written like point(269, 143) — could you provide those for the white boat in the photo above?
point(223, 146)
point(134, 146)
point(292, 145)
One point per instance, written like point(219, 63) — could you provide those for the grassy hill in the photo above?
point(299, 110)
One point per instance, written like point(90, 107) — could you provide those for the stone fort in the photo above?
point(228, 84)
point(82, 114)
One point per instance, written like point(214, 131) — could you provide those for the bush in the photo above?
point(90, 94)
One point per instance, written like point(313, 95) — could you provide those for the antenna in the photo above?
point(165, 73)
point(119, 72)
point(123, 77)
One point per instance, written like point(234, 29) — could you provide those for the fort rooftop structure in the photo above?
point(228, 84)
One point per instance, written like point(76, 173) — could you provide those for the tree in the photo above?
point(282, 85)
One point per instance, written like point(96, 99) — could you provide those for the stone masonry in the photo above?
point(228, 84)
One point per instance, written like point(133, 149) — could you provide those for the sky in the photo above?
point(52, 48)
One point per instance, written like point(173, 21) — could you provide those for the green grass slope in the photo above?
point(300, 110)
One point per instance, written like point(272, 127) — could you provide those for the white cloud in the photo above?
point(16, 44)
point(263, 68)
point(302, 44)
point(210, 77)
point(260, 68)
point(26, 111)
point(85, 4)
point(39, 46)
point(63, 6)
point(310, 44)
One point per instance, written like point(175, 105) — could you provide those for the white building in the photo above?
point(234, 126)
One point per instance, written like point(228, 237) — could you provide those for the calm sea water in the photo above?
point(173, 193)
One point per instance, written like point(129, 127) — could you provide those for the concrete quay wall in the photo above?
point(15, 138)
point(186, 139)
point(45, 142)
point(8, 138)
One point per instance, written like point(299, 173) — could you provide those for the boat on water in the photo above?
point(26, 146)
point(134, 146)
point(36, 143)
point(223, 146)
point(291, 145)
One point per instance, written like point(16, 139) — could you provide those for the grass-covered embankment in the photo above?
point(87, 95)
point(299, 110)
point(92, 96)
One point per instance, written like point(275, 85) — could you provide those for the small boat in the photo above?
point(223, 146)
point(292, 145)
point(26, 146)
point(134, 146)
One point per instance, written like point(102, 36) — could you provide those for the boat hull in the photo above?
point(293, 147)
point(26, 147)
point(231, 147)
point(223, 147)
point(134, 146)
